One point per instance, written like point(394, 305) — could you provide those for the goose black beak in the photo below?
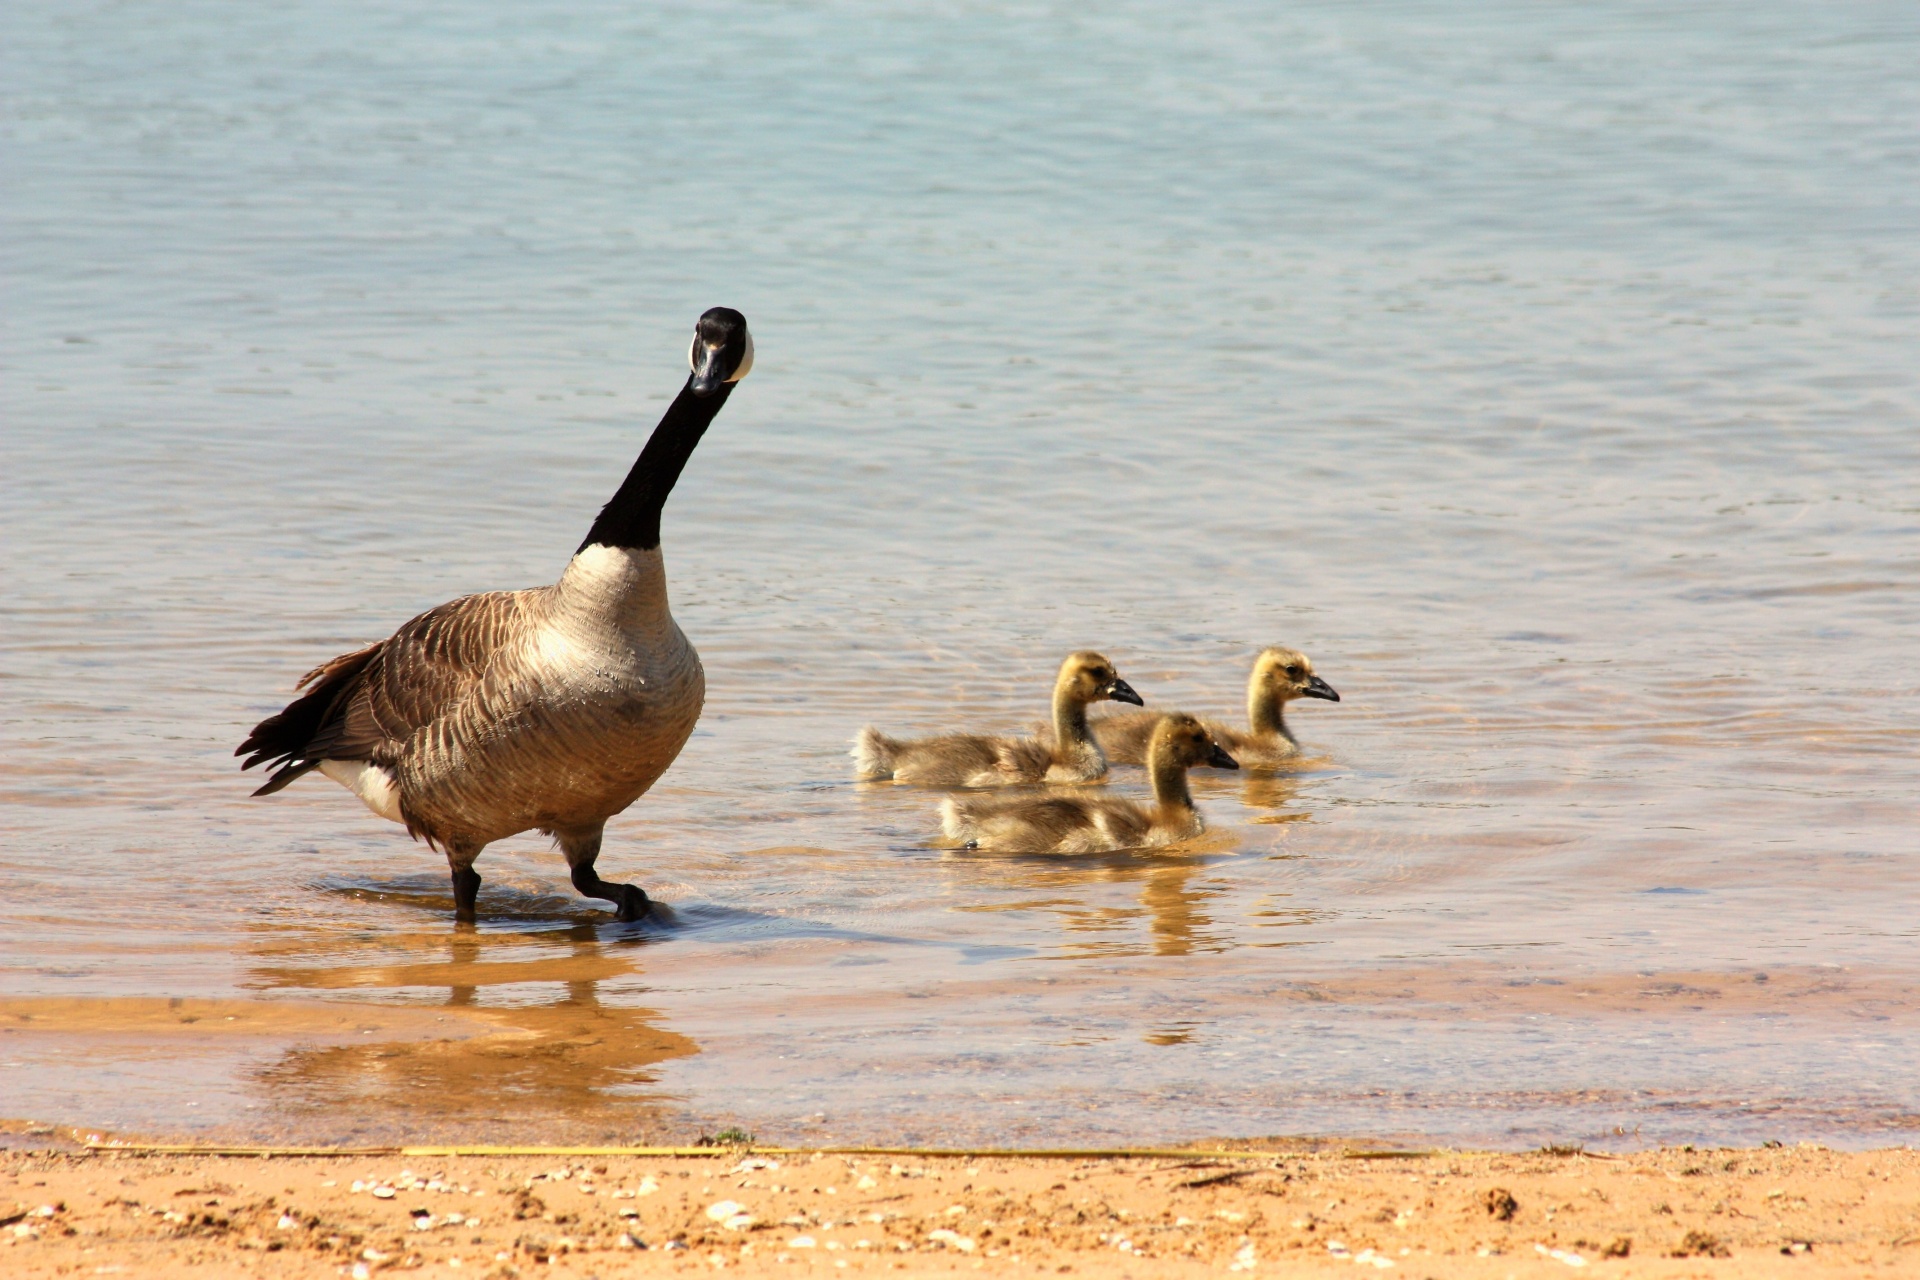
point(1318, 688)
point(1221, 760)
point(1121, 691)
point(709, 360)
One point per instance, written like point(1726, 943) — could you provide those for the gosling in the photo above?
point(1279, 676)
point(977, 760)
point(1096, 824)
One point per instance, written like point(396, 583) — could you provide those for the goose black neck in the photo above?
point(631, 517)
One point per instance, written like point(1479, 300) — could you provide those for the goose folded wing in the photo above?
point(366, 704)
point(420, 673)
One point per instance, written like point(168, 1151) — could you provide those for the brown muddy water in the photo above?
point(1546, 374)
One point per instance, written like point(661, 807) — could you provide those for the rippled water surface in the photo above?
point(1546, 372)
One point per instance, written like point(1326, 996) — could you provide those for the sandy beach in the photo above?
point(1799, 1211)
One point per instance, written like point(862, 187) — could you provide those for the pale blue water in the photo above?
point(1546, 372)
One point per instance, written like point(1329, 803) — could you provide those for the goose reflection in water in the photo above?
point(519, 1055)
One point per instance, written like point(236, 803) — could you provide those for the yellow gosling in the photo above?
point(979, 760)
point(1096, 824)
point(1279, 676)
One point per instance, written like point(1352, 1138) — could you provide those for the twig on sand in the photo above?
point(1229, 1175)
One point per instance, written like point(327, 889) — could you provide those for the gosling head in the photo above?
point(1089, 677)
point(1186, 741)
point(722, 351)
point(1286, 674)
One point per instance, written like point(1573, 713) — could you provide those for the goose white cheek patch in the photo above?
point(746, 361)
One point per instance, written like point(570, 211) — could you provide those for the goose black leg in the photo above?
point(466, 881)
point(582, 849)
point(466, 888)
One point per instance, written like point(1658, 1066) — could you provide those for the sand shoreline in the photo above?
point(1795, 1211)
point(467, 1051)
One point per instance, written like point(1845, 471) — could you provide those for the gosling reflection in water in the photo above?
point(1276, 792)
point(1172, 900)
point(509, 1062)
point(1176, 909)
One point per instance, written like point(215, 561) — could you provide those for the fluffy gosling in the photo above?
point(979, 760)
point(1096, 824)
point(1279, 676)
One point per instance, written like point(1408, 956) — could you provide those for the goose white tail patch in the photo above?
point(372, 783)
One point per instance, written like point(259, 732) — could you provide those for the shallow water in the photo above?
point(1547, 373)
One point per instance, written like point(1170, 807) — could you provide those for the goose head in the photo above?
point(1285, 674)
point(1184, 741)
point(1088, 677)
point(721, 353)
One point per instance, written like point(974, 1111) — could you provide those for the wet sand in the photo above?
point(1799, 1211)
point(507, 1047)
point(355, 1074)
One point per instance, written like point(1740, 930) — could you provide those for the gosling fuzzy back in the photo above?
point(994, 760)
point(874, 754)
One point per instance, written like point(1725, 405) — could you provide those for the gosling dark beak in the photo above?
point(709, 368)
point(1221, 760)
point(1121, 691)
point(1318, 688)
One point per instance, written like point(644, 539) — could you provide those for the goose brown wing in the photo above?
point(420, 672)
point(365, 705)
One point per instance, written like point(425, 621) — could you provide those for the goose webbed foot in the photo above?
point(629, 901)
point(633, 903)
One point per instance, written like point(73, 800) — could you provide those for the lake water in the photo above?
point(1546, 372)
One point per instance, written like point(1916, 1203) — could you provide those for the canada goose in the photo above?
point(976, 760)
point(551, 708)
point(1279, 676)
point(1096, 824)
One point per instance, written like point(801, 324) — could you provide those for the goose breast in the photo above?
point(575, 719)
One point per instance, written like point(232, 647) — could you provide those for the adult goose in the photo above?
point(985, 760)
point(1279, 676)
point(552, 708)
